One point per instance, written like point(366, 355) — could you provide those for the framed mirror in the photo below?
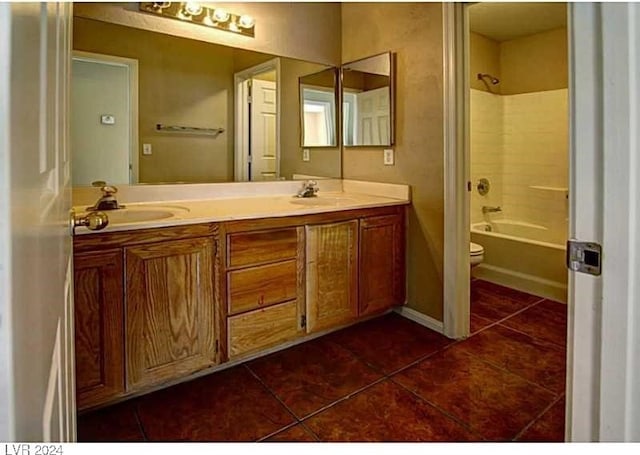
point(153, 108)
point(318, 113)
point(368, 102)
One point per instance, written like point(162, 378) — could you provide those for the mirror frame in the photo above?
point(337, 115)
point(392, 100)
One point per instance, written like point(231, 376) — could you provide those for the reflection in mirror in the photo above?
point(192, 122)
point(318, 109)
point(367, 101)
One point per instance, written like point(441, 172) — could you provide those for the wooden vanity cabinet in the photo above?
point(264, 287)
point(331, 263)
point(381, 270)
point(99, 337)
point(170, 314)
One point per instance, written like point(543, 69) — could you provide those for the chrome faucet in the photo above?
point(309, 189)
point(487, 209)
point(107, 201)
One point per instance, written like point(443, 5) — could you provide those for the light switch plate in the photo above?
point(146, 149)
point(107, 119)
point(305, 155)
point(389, 159)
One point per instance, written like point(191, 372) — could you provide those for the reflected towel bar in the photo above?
point(189, 130)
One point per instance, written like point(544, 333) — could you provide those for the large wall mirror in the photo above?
point(318, 113)
point(153, 108)
point(367, 101)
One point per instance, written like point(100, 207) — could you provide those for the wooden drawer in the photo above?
point(248, 248)
point(260, 329)
point(261, 286)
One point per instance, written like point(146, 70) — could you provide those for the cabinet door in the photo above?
point(171, 322)
point(381, 273)
point(331, 268)
point(99, 319)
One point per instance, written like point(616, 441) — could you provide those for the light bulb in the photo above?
point(246, 21)
point(192, 8)
point(220, 15)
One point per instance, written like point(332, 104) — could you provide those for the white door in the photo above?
point(603, 374)
point(37, 399)
point(102, 110)
point(373, 121)
point(263, 130)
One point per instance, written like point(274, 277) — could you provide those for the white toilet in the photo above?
point(476, 254)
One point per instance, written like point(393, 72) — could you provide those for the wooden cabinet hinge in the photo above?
point(303, 321)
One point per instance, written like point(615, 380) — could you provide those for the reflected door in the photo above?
point(263, 130)
point(100, 122)
point(373, 123)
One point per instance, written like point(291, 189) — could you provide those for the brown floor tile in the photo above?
point(112, 424)
point(549, 427)
point(546, 320)
point(230, 405)
point(385, 412)
point(477, 323)
point(493, 302)
point(311, 375)
point(536, 360)
point(296, 433)
point(496, 404)
point(389, 342)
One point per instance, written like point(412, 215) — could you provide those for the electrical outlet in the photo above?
point(388, 157)
point(305, 155)
point(146, 149)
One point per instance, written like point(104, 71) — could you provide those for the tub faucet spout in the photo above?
point(487, 209)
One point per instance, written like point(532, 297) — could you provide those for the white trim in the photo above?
point(620, 353)
point(456, 172)
point(241, 132)
point(421, 319)
point(132, 68)
point(7, 399)
point(585, 205)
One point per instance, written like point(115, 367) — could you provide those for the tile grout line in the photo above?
point(140, 426)
point(494, 323)
point(544, 340)
point(313, 433)
point(296, 420)
point(465, 425)
point(535, 419)
point(344, 398)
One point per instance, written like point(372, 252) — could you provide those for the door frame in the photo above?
point(131, 65)
point(603, 353)
point(242, 121)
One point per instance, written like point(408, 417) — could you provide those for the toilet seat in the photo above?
point(475, 249)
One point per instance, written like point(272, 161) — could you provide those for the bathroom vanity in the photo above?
point(159, 301)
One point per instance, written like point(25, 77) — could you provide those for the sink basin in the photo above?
point(138, 214)
point(322, 201)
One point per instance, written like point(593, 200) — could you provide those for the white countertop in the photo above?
point(182, 212)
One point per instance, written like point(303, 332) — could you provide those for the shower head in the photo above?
point(493, 80)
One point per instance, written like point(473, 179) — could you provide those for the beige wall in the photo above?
point(414, 32)
point(484, 57)
point(306, 31)
point(181, 82)
point(534, 63)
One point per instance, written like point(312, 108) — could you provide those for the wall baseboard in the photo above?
point(421, 319)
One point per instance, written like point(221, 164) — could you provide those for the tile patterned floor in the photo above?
point(387, 379)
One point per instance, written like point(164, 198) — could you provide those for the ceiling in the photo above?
point(506, 21)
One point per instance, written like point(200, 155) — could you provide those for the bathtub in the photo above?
point(523, 256)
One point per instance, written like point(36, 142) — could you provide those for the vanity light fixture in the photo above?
point(197, 13)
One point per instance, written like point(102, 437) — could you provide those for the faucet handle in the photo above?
point(108, 190)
